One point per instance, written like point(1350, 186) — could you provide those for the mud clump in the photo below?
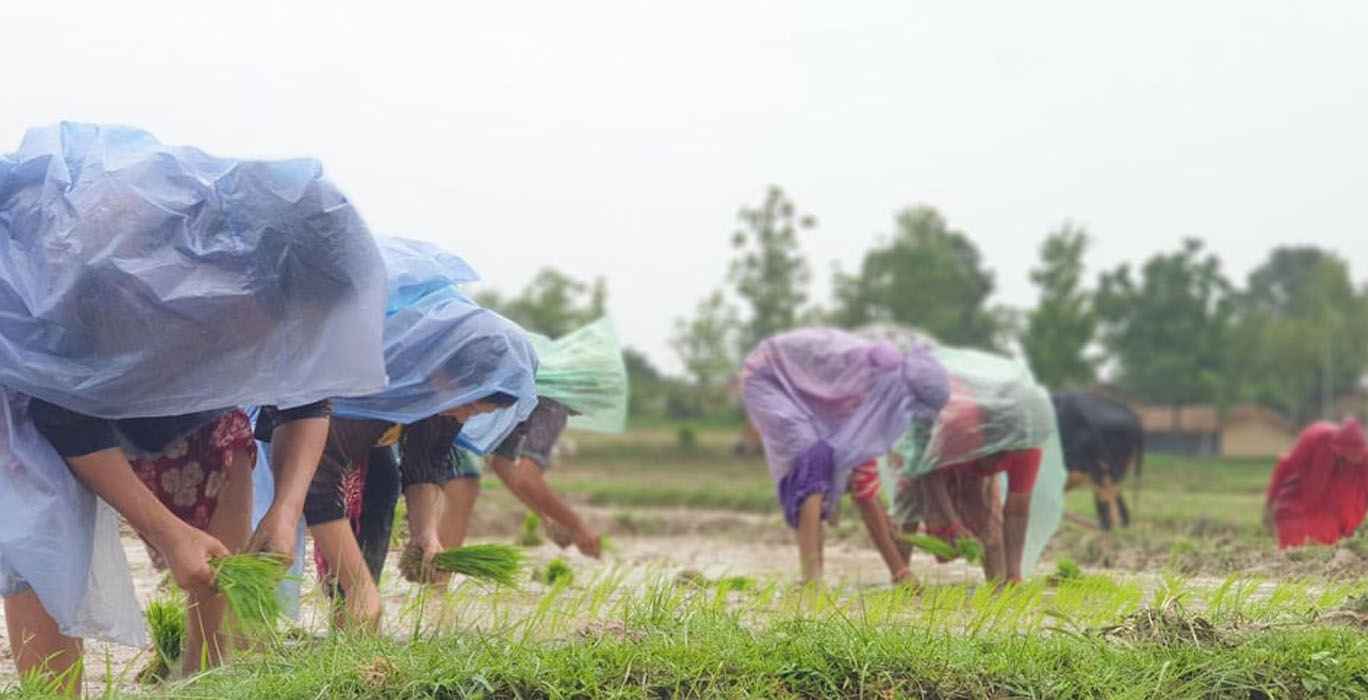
point(1168, 625)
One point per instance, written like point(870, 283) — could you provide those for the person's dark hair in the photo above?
point(500, 399)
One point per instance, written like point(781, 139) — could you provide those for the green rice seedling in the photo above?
point(735, 583)
point(249, 581)
point(530, 536)
point(166, 621)
point(558, 573)
point(1066, 569)
point(494, 563)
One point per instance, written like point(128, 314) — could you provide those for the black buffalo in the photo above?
point(1102, 439)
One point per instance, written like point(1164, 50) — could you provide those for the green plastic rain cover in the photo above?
point(995, 405)
point(584, 371)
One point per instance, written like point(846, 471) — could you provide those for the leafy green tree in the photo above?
point(1310, 329)
point(1168, 331)
point(552, 304)
point(706, 343)
point(1062, 325)
point(928, 276)
point(770, 273)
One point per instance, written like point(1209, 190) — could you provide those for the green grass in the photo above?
point(1089, 638)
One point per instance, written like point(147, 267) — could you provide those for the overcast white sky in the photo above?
point(619, 138)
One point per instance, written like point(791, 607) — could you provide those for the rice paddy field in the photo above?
point(696, 596)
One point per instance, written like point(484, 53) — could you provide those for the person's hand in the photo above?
point(589, 544)
point(416, 561)
point(557, 533)
point(903, 577)
point(188, 551)
point(275, 535)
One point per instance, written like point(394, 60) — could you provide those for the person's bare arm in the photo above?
point(526, 481)
point(187, 549)
point(422, 501)
point(877, 523)
point(296, 448)
point(810, 538)
point(1016, 515)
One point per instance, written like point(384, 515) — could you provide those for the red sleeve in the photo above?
point(1022, 467)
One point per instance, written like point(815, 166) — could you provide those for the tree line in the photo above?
point(1175, 329)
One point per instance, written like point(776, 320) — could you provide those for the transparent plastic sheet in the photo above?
point(56, 533)
point(584, 370)
point(995, 405)
point(138, 279)
point(442, 350)
point(824, 384)
point(905, 338)
point(263, 494)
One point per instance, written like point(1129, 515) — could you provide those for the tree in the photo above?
point(552, 304)
point(1062, 325)
point(770, 273)
point(1309, 327)
point(706, 342)
point(928, 276)
point(1168, 331)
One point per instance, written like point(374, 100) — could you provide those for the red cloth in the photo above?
point(864, 482)
point(1021, 466)
point(187, 475)
point(1317, 494)
point(353, 488)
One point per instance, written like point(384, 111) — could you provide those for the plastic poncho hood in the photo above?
point(442, 350)
point(585, 372)
point(139, 279)
point(829, 391)
point(995, 405)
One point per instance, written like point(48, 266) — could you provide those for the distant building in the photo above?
point(1199, 431)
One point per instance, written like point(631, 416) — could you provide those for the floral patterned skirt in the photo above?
point(188, 474)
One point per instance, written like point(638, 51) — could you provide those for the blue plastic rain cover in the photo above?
point(56, 534)
point(443, 351)
point(138, 279)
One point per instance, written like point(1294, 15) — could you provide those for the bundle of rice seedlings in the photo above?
point(531, 531)
point(496, 563)
point(166, 621)
point(970, 549)
point(249, 583)
point(966, 547)
point(932, 545)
